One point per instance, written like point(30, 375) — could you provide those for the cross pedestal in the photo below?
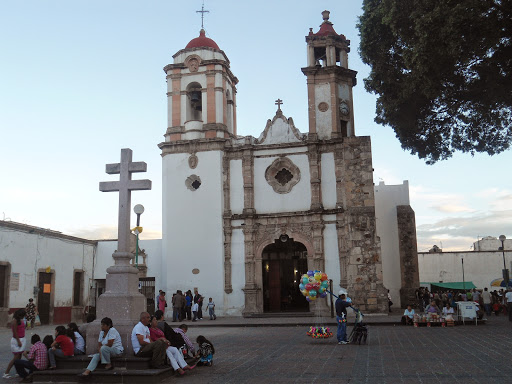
point(121, 301)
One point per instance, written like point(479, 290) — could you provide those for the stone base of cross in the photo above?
point(122, 301)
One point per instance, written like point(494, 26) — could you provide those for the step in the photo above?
point(124, 362)
point(135, 376)
point(273, 315)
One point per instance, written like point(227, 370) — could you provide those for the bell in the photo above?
point(195, 96)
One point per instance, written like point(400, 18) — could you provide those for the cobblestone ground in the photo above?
point(464, 354)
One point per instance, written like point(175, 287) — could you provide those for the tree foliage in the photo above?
point(442, 70)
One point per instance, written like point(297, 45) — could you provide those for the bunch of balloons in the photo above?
point(314, 285)
point(319, 332)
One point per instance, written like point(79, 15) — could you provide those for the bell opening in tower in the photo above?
point(194, 102)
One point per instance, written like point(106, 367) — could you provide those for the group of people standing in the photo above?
point(186, 306)
point(42, 354)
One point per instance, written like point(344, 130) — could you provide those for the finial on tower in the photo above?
point(202, 12)
point(325, 15)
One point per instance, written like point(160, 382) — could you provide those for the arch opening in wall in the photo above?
point(284, 262)
point(194, 102)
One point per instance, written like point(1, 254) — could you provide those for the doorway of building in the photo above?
point(284, 262)
point(147, 288)
point(44, 297)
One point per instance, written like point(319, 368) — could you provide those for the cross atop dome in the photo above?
point(202, 12)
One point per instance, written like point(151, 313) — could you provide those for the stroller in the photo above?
point(360, 331)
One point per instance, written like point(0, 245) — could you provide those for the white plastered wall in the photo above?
point(29, 252)
point(236, 193)
point(387, 197)
point(234, 302)
point(268, 201)
point(328, 182)
point(323, 119)
point(192, 236)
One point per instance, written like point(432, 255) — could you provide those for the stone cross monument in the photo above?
point(121, 301)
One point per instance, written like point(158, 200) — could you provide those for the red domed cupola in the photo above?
point(202, 42)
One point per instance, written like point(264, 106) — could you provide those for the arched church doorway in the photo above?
point(284, 262)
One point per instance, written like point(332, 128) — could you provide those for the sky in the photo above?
point(82, 79)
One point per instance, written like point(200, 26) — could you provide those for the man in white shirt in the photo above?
point(142, 345)
point(508, 297)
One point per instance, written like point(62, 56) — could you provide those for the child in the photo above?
point(211, 309)
point(195, 308)
point(205, 351)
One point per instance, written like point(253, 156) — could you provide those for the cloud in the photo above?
point(449, 208)
point(110, 232)
point(458, 232)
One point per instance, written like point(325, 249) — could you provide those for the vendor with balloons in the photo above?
point(314, 285)
point(341, 316)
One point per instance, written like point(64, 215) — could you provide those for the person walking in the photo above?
point(31, 311)
point(18, 341)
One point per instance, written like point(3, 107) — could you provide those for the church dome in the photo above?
point(202, 41)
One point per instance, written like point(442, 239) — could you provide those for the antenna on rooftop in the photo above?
point(202, 12)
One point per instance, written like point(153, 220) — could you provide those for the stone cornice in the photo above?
point(327, 72)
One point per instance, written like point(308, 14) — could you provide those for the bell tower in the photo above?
point(330, 83)
point(200, 92)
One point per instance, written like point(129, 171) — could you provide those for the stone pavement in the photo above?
point(394, 354)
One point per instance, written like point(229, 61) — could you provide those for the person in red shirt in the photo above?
point(62, 346)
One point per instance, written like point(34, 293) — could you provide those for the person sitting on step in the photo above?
point(142, 345)
point(109, 345)
point(175, 356)
point(62, 347)
point(205, 351)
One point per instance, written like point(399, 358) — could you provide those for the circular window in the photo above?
point(193, 182)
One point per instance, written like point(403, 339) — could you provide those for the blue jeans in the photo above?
point(487, 309)
point(341, 335)
point(212, 313)
point(21, 365)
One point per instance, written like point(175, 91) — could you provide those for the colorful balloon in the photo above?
point(309, 287)
point(324, 284)
point(324, 277)
point(311, 273)
point(318, 276)
point(305, 280)
point(302, 286)
point(312, 293)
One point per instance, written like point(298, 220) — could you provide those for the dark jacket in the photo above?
point(341, 307)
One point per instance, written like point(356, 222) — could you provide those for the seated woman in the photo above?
point(432, 308)
point(448, 312)
point(78, 339)
point(175, 356)
point(62, 346)
point(109, 345)
point(407, 318)
point(205, 351)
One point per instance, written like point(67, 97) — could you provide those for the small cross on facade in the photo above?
point(125, 186)
point(202, 12)
point(278, 103)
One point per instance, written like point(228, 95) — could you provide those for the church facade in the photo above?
point(245, 217)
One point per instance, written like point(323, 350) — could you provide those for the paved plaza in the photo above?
point(394, 354)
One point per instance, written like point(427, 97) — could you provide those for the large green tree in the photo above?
point(442, 71)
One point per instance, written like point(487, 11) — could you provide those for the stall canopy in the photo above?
point(455, 285)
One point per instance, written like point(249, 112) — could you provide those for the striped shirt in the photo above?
point(185, 337)
point(39, 354)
